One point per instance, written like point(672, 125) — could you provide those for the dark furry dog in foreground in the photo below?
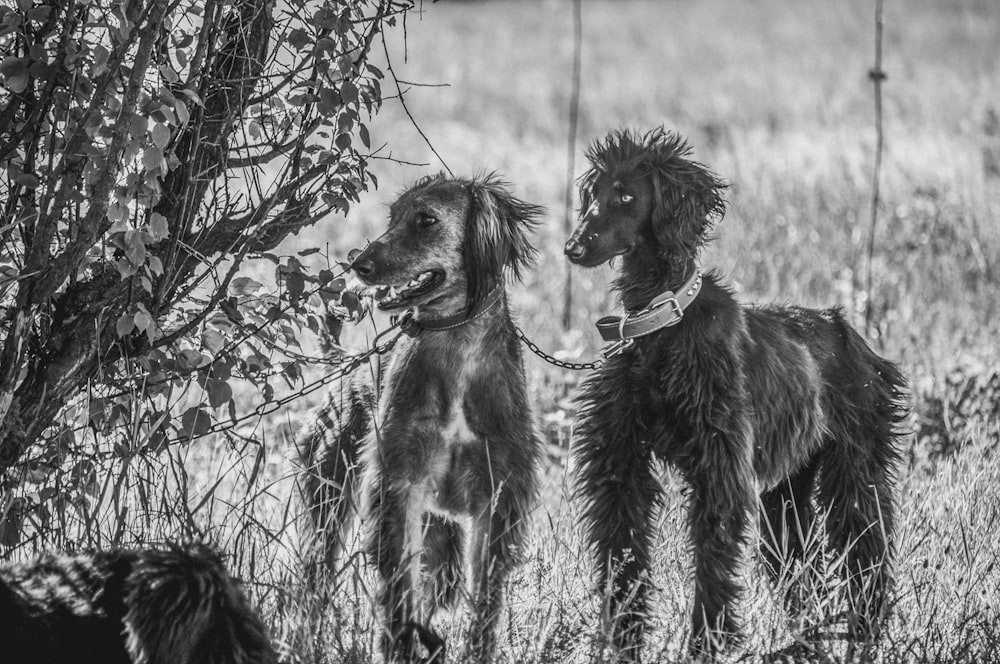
point(760, 409)
point(175, 606)
point(451, 439)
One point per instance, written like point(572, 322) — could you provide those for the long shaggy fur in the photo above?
point(443, 436)
point(172, 606)
point(762, 410)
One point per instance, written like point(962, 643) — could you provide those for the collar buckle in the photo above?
point(678, 310)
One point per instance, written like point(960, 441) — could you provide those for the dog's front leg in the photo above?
point(395, 547)
point(498, 539)
point(722, 500)
point(620, 495)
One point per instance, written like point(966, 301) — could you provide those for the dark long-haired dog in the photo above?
point(453, 439)
point(784, 401)
point(172, 606)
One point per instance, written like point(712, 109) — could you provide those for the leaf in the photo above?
point(244, 286)
point(349, 92)
point(13, 66)
point(97, 412)
point(135, 250)
point(124, 326)
point(143, 320)
point(229, 308)
point(299, 39)
point(152, 158)
point(295, 285)
point(191, 359)
point(161, 136)
point(40, 70)
point(192, 95)
point(12, 526)
point(168, 73)
point(213, 341)
point(39, 14)
point(353, 304)
point(158, 227)
point(292, 372)
point(329, 100)
point(365, 138)
point(29, 181)
point(17, 83)
point(195, 422)
point(137, 127)
point(183, 115)
point(101, 56)
point(219, 392)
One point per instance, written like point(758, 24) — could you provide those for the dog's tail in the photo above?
point(886, 381)
point(184, 608)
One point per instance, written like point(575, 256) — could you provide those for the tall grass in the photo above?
point(773, 95)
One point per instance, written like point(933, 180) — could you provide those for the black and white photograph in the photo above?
point(499, 331)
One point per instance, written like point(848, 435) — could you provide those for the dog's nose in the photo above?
point(573, 249)
point(363, 266)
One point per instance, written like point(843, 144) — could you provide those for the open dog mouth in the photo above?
point(393, 297)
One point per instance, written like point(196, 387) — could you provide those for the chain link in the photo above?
point(562, 364)
point(347, 364)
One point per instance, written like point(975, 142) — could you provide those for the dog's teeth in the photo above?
point(392, 292)
point(413, 283)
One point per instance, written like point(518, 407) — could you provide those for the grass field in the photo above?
point(774, 96)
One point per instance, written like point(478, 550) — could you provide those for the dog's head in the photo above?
point(183, 607)
point(448, 245)
point(643, 192)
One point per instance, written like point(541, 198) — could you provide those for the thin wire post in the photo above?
point(877, 76)
point(574, 112)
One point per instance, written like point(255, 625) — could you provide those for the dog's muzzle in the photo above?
point(363, 264)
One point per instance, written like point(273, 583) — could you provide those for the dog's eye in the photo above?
point(626, 198)
point(426, 220)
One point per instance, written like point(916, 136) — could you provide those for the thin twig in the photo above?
point(402, 103)
point(574, 113)
point(877, 76)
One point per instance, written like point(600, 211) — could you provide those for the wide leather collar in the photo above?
point(664, 310)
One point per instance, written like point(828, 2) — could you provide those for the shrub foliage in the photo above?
point(148, 150)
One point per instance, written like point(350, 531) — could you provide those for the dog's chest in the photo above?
point(451, 453)
point(451, 477)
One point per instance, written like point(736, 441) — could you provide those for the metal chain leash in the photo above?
point(562, 364)
point(347, 364)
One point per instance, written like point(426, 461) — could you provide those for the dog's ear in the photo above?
point(585, 184)
point(496, 236)
point(687, 202)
